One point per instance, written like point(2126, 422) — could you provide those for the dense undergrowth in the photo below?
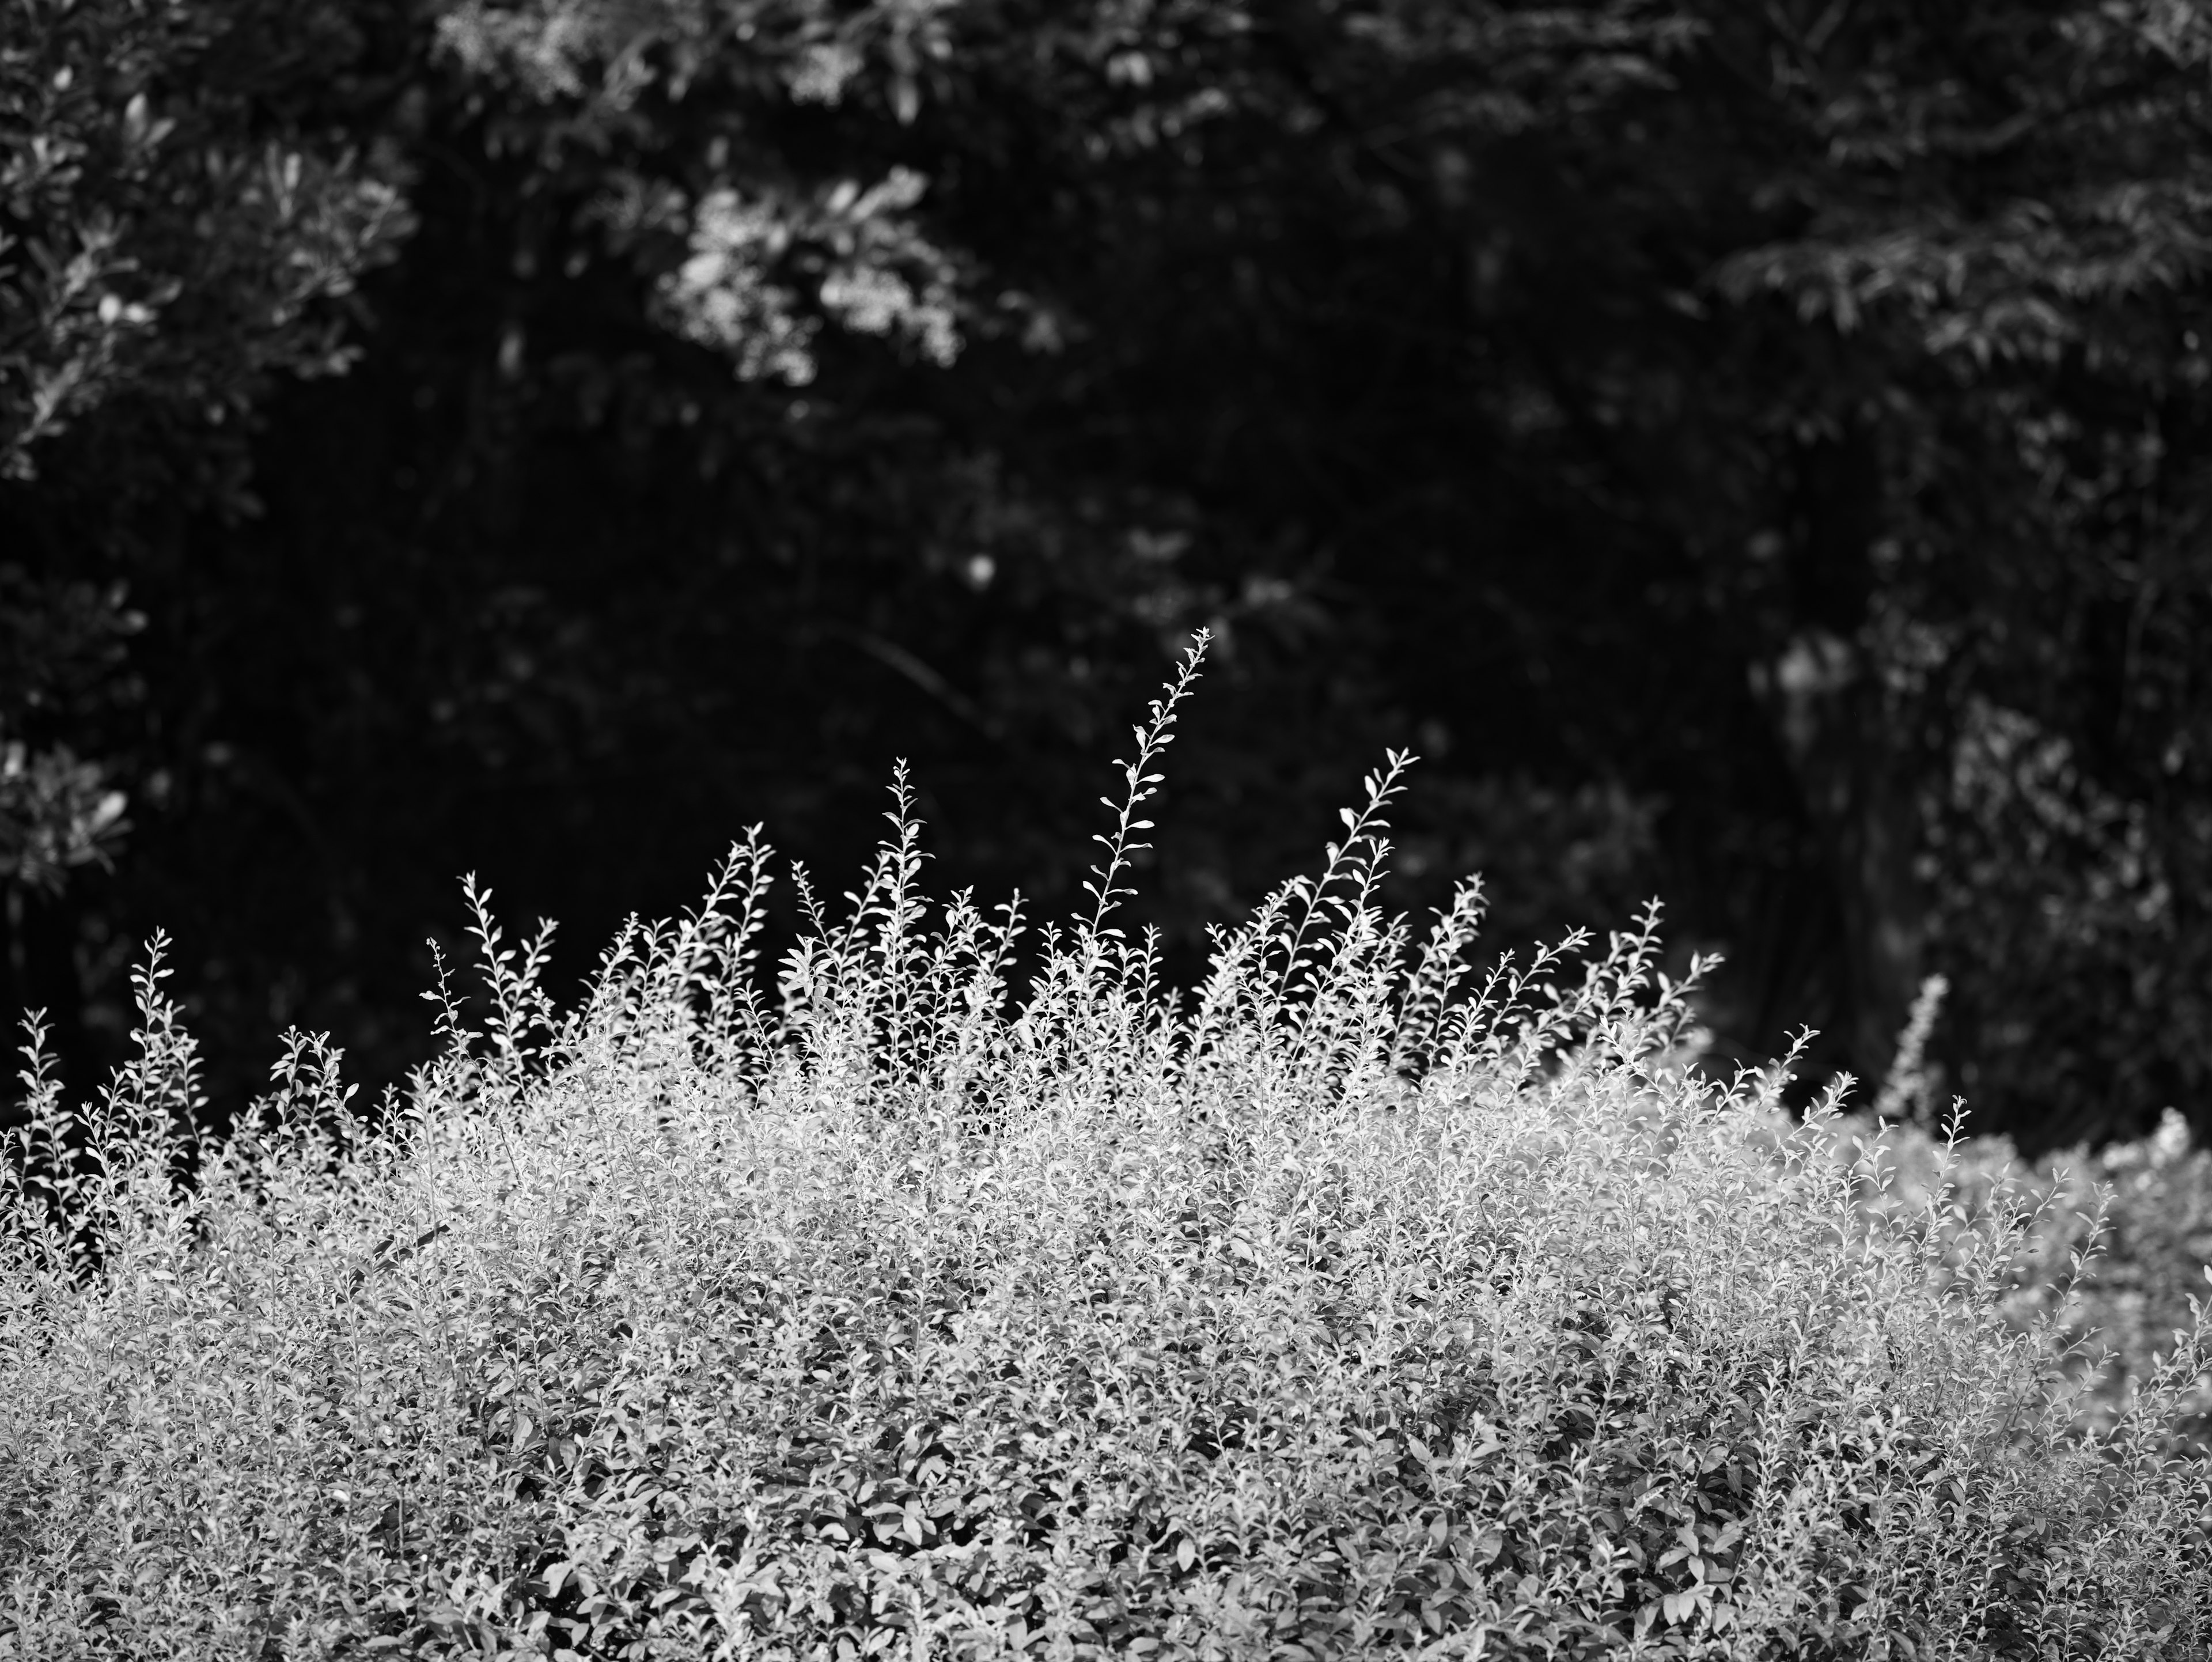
point(1346, 1308)
point(2112, 1257)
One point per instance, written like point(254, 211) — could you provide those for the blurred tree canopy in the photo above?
point(1756, 454)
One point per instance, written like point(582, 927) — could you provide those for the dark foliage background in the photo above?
point(1756, 455)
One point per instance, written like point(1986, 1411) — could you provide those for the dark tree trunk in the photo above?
point(1855, 766)
point(1858, 783)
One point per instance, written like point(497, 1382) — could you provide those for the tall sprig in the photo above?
point(1139, 783)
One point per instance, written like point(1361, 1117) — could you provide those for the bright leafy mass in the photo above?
point(1362, 1309)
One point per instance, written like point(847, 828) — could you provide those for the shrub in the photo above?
point(1346, 1308)
point(2136, 1217)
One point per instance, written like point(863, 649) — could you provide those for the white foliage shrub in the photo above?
point(1354, 1305)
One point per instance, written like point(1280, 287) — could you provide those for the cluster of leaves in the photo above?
point(161, 245)
point(61, 657)
point(1365, 1306)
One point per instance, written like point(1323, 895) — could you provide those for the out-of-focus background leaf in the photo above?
point(1756, 455)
